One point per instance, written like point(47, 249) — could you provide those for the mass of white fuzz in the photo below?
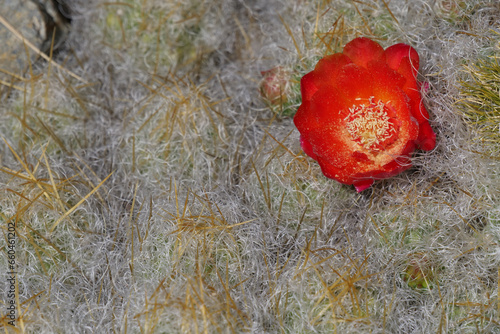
point(155, 190)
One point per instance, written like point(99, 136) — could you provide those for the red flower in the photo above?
point(362, 115)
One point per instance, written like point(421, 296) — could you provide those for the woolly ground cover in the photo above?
point(155, 190)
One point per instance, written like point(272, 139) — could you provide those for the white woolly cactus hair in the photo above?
point(155, 190)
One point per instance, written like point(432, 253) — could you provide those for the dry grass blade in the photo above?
point(67, 213)
point(9, 84)
point(287, 27)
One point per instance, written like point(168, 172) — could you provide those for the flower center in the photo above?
point(371, 126)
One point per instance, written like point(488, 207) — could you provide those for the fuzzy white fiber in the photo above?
point(156, 191)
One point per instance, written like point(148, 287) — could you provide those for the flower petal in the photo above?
point(308, 86)
point(362, 185)
point(333, 172)
point(426, 137)
point(328, 105)
point(303, 120)
point(328, 68)
point(329, 146)
point(383, 75)
point(363, 50)
point(355, 82)
point(395, 54)
point(307, 147)
point(407, 70)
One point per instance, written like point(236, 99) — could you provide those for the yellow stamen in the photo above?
point(369, 125)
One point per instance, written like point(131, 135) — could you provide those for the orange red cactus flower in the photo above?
point(362, 114)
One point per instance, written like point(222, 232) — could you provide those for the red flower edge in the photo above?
point(362, 114)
